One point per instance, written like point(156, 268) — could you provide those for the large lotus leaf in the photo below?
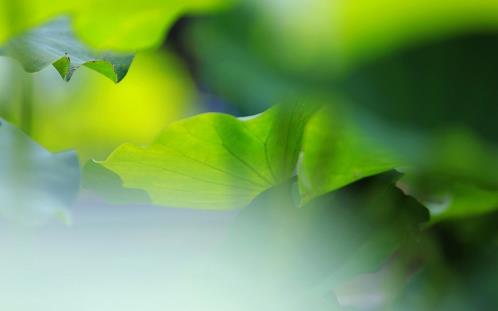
point(34, 183)
point(215, 160)
point(54, 43)
point(104, 24)
point(336, 153)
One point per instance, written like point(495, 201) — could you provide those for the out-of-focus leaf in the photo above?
point(225, 53)
point(134, 25)
point(450, 199)
point(364, 30)
point(18, 16)
point(126, 25)
point(460, 268)
point(35, 184)
point(431, 87)
point(215, 161)
point(55, 44)
point(460, 155)
point(110, 186)
point(342, 34)
point(337, 153)
point(308, 250)
point(455, 154)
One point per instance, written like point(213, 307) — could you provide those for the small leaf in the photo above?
point(336, 153)
point(215, 161)
point(34, 184)
point(54, 43)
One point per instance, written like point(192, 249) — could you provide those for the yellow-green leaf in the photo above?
point(215, 161)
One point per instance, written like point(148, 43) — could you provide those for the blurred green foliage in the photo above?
point(93, 115)
point(109, 24)
point(327, 221)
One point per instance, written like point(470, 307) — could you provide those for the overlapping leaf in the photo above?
point(336, 153)
point(218, 161)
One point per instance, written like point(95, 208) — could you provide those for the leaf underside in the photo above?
point(54, 43)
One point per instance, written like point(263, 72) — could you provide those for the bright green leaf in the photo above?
point(214, 160)
point(126, 25)
point(34, 184)
point(336, 153)
point(19, 16)
point(55, 44)
point(133, 25)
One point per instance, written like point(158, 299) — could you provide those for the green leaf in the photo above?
point(337, 153)
point(126, 25)
point(34, 184)
point(134, 25)
point(18, 16)
point(215, 161)
point(54, 43)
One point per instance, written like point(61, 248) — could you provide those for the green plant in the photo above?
point(359, 169)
